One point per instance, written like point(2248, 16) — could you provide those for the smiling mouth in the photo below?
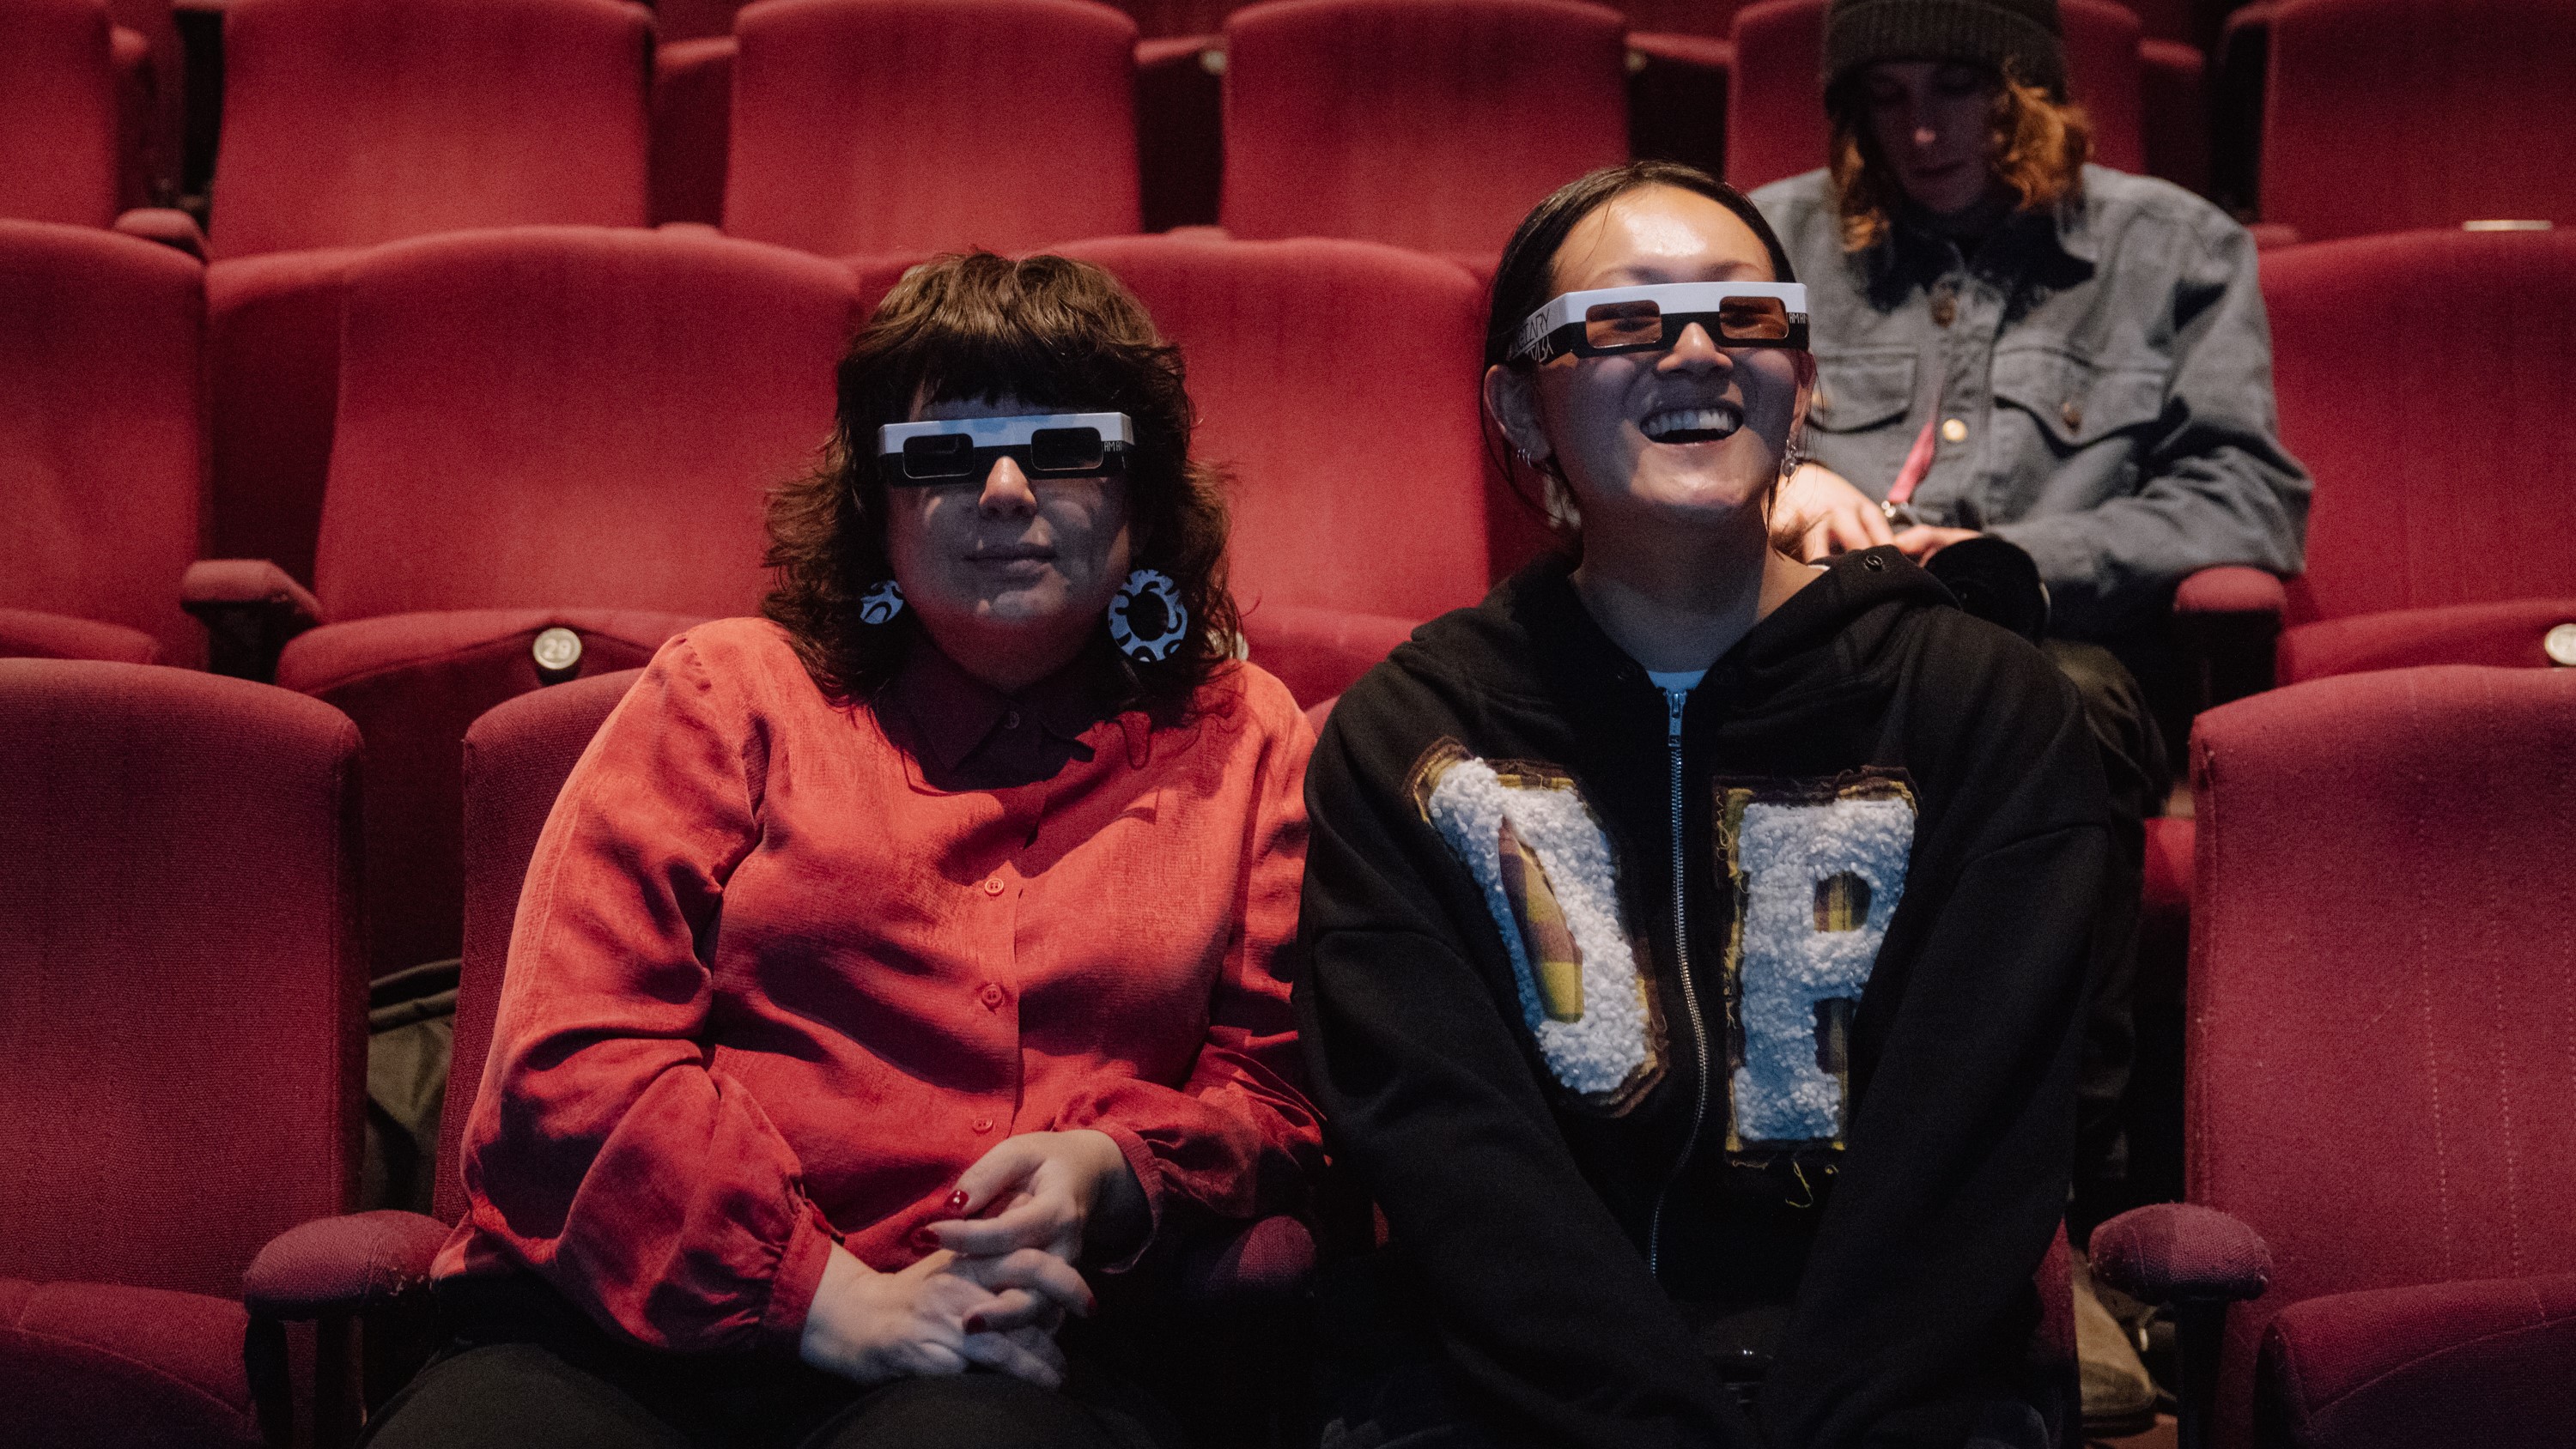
point(1692, 425)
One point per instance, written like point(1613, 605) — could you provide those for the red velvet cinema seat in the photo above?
point(347, 123)
point(182, 1002)
point(546, 428)
point(2383, 115)
point(1775, 105)
point(58, 112)
point(102, 444)
point(881, 127)
point(2422, 553)
point(1337, 381)
point(1430, 124)
point(2382, 1021)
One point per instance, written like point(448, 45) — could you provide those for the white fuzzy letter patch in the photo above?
point(1817, 871)
point(1545, 866)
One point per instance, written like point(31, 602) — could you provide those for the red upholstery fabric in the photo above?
point(2508, 634)
point(1432, 124)
point(350, 122)
point(181, 1003)
point(2230, 589)
point(2166, 895)
point(684, 20)
point(248, 581)
point(1358, 466)
point(2173, 111)
point(2484, 1363)
point(25, 634)
point(517, 757)
point(1318, 653)
point(2395, 524)
point(871, 126)
point(152, 26)
point(102, 443)
point(692, 124)
point(1272, 1259)
point(92, 1366)
point(2171, 1252)
point(273, 378)
point(1682, 17)
point(342, 1264)
point(1180, 145)
point(2379, 115)
point(2377, 1078)
point(1775, 107)
point(58, 113)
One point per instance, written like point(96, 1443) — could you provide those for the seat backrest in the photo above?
point(1431, 124)
point(693, 19)
point(1775, 99)
point(1338, 382)
point(864, 127)
point(58, 113)
point(566, 417)
point(2381, 115)
point(517, 757)
point(2382, 994)
point(102, 436)
point(2373, 335)
point(352, 122)
point(182, 990)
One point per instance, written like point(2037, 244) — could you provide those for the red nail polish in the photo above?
point(957, 1201)
point(975, 1323)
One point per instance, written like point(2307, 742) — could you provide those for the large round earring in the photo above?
point(1176, 619)
point(880, 604)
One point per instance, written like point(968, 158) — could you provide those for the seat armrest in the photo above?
point(250, 608)
point(167, 225)
point(2478, 1362)
point(1270, 1260)
point(342, 1266)
point(2181, 1253)
point(2227, 622)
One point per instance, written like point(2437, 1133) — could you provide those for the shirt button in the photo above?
point(1010, 719)
point(1945, 310)
point(992, 995)
point(993, 887)
point(2073, 412)
point(1954, 431)
point(983, 1124)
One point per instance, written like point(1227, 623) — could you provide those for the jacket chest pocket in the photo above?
point(2075, 403)
point(1857, 392)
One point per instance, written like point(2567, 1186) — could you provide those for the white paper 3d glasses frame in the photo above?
point(963, 450)
point(1611, 320)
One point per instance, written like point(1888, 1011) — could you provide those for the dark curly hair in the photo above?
point(1058, 334)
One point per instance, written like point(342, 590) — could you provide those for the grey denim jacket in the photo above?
point(2103, 378)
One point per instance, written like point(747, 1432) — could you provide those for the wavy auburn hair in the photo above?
point(1060, 335)
point(2040, 147)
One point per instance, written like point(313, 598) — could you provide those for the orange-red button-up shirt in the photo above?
point(769, 988)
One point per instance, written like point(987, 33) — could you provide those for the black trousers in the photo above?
point(2134, 765)
point(525, 1368)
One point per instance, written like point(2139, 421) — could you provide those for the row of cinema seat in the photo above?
point(2382, 1015)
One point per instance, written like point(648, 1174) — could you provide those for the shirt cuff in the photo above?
point(791, 1288)
point(1149, 1176)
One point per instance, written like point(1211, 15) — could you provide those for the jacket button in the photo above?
point(1010, 719)
point(1954, 430)
point(993, 886)
point(983, 1124)
point(1945, 310)
point(992, 995)
point(2073, 412)
point(2560, 643)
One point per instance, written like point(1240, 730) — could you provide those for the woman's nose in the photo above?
point(1006, 492)
point(1695, 350)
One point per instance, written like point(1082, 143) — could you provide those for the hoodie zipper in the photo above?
point(1674, 701)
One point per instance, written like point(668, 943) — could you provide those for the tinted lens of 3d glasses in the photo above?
point(1049, 451)
point(1618, 326)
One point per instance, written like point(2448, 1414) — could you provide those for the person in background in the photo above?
point(2012, 342)
point(1694, 938)
point(893, 964)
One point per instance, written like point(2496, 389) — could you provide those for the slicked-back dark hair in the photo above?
point(1526, 278)
point(1060, 335)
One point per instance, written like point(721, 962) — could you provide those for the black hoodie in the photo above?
point(1869, 767)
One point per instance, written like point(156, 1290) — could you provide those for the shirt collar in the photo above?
point(953, 712)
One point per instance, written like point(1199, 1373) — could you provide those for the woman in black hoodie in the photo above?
point(1696, 938)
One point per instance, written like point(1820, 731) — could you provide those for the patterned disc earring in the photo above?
point(880, 604)
point(1176, 619)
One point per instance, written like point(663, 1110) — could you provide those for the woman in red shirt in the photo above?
point(890, 962)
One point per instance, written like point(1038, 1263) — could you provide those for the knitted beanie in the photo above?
point(1859, 32)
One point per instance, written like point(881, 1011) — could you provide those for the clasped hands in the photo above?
point(999, 1277)
point(1818, 514)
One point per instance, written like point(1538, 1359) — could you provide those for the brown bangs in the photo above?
point(2041, 146)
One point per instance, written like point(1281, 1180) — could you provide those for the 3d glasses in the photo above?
point(963, 450)
point(1651, 319)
